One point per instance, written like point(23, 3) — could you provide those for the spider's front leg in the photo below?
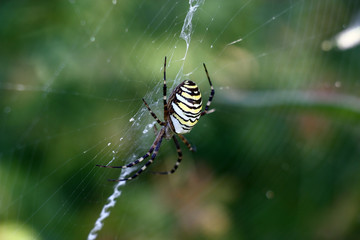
point(166, 110)
point(207, 111)
point(153, 114)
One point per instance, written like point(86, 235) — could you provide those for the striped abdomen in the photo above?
point(184, 107)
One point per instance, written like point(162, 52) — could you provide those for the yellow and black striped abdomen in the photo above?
point(184, 107)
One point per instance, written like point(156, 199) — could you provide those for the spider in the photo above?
point(182, 111)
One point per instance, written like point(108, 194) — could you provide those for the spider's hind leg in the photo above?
point(192, 148)
point(178, 149)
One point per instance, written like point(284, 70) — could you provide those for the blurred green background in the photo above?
point(278, 159)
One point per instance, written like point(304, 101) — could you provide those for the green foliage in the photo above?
point(72, 75)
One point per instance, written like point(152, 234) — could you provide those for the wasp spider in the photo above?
point(182, 111)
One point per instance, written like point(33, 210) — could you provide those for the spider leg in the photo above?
point(178, 149)
point(151, 160)
point(132, 163)
point(207, 111)
point(166, 111)
point(191, 148)
point(155, 130)
point(153, 114)
point(139, 160)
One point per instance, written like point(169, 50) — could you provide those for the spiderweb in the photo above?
point(277, 160)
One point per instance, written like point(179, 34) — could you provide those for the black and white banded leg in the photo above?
point(151, 160)
point(153, 114)
point(139, 160)
point(184, 98)
point(166, 110)
point(207, 111)
point(179, 152)
point(186, 142)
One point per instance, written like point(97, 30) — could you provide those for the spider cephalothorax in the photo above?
point(182, 111)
